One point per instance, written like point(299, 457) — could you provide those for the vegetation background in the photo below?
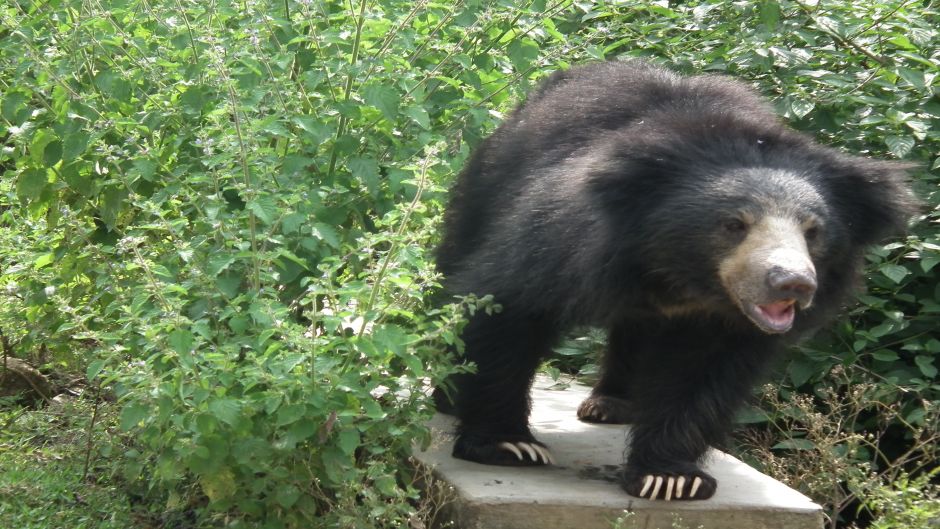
point(215, 230)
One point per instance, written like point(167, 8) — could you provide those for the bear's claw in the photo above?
point(538, 454)
point(512, 449)
point(672, 487)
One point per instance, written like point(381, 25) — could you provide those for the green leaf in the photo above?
point(218, 262)
point(384, 98)
point(290, 413)
point(419, 115)
point(366, 169)
point(37, 147)
point(885, 355)
point(522, 52)
point(13, 102)
point(292, 222)
point(348, 440)
point(894, 272)
point(336, 464)
point(795, 444)
point(801, 107)
point(229, 284)
point(391, 338)
point(801, 370)
point(219, 486)
point(318, 130)
point(74, 145)
point(926, 365)
point(882, 329)
point(900, 146)
point(239, 323)
point(94, 369)
point(111, 204)
point(181, 341)
point(144, 168)
point(751, 415)
point(326, 234)
point(928, 263)
point(287, 495)
point(30, 184)
point(770, 14)
point(193, 99)
point(133, 414)
point(226, 410)
point(52, 153)
point(917, 78)
point(298, 432)
point(387, 485)
point(44, 260)
point(265, 208)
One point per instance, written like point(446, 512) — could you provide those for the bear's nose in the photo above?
point(786, 283)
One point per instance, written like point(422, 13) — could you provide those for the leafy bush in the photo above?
point(224, 211)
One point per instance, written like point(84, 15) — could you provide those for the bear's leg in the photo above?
point(684, 403)
point(610, 399)
point(493, 404)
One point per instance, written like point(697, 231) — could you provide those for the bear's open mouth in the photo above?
point(775, 317)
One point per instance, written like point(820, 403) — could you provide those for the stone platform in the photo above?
point(581, 492)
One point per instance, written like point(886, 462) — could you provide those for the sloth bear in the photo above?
point(679, 214)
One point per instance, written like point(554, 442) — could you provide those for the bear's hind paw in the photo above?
point(672, 487)
point(605, 409)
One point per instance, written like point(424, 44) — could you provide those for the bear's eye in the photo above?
point(735, 226)
point(811, 234)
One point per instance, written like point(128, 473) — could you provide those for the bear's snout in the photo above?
point(770, 274)
point(798, 285)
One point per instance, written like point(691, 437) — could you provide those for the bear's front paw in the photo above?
point(694, 485)
point(506, 450)
point(605, 409)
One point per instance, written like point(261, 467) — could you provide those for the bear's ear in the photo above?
point(873, 197)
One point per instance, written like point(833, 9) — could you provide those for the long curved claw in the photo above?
point(670, 483)
point(656, 486)
point(512, 448)
point(696, 483)
point(528, 450)
point(647, 482)
point(545, 453)
point(680, 486)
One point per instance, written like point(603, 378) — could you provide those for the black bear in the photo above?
point(678, 213)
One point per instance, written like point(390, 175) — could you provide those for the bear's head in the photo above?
point(770, 242)
point(770, 227)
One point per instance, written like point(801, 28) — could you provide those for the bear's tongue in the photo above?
point(779, 314)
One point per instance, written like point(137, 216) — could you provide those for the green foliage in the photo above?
point(906, 503)
point(224, 211)
point(42, 466)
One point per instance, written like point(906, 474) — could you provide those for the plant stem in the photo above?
point(91, 428)
point(347, 92)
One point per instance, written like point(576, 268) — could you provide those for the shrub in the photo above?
point(224, 212)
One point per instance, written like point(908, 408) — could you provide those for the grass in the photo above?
point(42, 464)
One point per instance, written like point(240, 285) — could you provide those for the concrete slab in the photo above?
point(581, 490)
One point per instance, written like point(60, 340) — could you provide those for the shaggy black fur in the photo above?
point(604, 200)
